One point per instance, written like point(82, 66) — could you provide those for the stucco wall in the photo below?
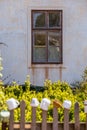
point(15, 32)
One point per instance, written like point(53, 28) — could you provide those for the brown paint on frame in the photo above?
point(46, 72)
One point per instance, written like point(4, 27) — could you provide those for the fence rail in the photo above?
point(44, 125)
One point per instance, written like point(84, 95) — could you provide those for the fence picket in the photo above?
point(22, 115)
point(4, 125)
point(11, 120)
point(55, 118)
point(86, 121)
point(22, 125)
point(33, 123)
point(66, 119)
point(44, 117)
point(76, 115)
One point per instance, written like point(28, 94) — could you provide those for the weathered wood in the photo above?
point(44, 125)
point(49, 126)
point(4, 125)
point(17, 126)
point(33, 123)
point(22, 117)
point(66, 119)
point(11, 120)
point(76, 115)
point(86, 121)
point(55, 118)
point(44, 120)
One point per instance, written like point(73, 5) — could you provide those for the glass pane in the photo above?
point(39, 39)
point(54, 54)
point(54, 19)
point(54, 38)
point(39, 54)
point(38, 19)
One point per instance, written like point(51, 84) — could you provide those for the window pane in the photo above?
point(38, 19)
point(39, 46)
point(39, 54)
point(40, 39)
point(54, 38)
point(54, 19)
point(54, 54)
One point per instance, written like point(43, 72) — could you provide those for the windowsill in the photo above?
point(39, 66)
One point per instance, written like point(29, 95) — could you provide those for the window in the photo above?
point(46, 36)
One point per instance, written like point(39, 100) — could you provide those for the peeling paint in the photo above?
point(46, 73)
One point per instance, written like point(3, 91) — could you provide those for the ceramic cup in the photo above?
point(85, 106)
point(34, 102)
point(12, 103)
point(45, 104)
point(4, 116)
point(67, 104)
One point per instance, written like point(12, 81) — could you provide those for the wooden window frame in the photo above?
point(48, 30)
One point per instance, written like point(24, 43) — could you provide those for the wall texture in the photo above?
point(15, 32)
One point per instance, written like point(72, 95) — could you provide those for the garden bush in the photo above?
point(56, 90)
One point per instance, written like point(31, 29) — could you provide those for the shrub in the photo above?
point(57, 90)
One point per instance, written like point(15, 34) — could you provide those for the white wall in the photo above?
point(13, 26)
point(15, 31)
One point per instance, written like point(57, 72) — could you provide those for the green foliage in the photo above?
point(57, 90)
point(84, 76)
point(80, 87)
point(2, 98)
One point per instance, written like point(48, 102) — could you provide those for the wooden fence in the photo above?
point(44, 125)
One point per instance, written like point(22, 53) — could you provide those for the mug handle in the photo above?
point(17, 102)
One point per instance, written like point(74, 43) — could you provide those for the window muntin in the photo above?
point(47, 36)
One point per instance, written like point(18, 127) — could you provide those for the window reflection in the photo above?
point(39, 54)
point(54, 38)
point(39, 39)
point(54, 46)
point(54, 19)
point(53, 54)
point(39, 19)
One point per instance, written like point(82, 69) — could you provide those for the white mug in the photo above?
point(4, 116)
point(12, 103)
point(34, 102)
point(67, 104)
point(85, 106)
point(45, 104)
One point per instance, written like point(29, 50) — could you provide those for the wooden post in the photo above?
point(44, 121)
point(4, 125)
point(86, 121)
point(33, 123)
point(11, 120)
point(56, 104)
point(66, 119)
point(55, 118)
point(76, 115)
point(22, 117)
point(85, 110)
